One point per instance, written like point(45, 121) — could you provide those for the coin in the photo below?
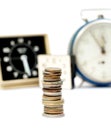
point(52, 92)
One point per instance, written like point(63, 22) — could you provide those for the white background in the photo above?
point(21, 109)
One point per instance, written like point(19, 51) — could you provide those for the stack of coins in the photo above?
point(52, 94)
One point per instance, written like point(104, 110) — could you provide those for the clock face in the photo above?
point(92, 49)
point(22, 59)
point(19, 56)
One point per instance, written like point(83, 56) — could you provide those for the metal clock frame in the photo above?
point(72, 43)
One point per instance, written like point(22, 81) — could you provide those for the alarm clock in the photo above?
point(58, 61)
point(91, 46)
point(18, 59)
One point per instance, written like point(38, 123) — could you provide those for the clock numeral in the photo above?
point(29, 42)
point(34, 73)
point(36, 48)
point(6, 59)
point(25, 76)
point(9, 68)
point(20, 40)
point(6, 50)
point(12, 43)
point(15, 74)
point(22, 50)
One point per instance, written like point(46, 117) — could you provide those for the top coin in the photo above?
point(52, 69)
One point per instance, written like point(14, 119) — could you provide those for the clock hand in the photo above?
point(103, 44)
point(25, 64)
point(100, 44)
